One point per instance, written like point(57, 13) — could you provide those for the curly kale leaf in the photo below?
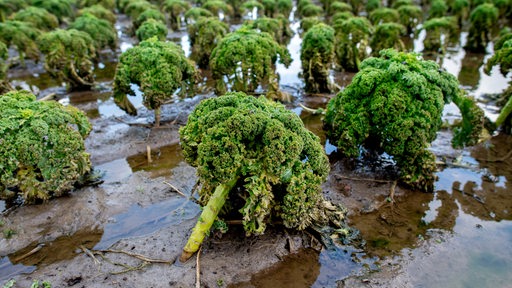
point(279, 164)
point(42, 152)
point(395, 103)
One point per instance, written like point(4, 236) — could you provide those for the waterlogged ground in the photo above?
point(458, 236)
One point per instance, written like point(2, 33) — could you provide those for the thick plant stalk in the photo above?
point(507, 109)
point(206, 219)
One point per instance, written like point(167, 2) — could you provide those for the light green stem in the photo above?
point(205, 221)
point(507, 109)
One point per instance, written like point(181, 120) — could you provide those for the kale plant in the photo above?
point(204, 35)
point(256, 158)
point(5, 86)
point(42, 152)
point(158, 68)
point(394, 105)
point(102, 32)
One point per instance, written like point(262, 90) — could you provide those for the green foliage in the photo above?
point(340, 17)
point(272, 26)
point(158, 68)
point(387, 35)
point(399, 3)
point(216, 6)
point(100, 12)
point(247, 58)
point(352, 39)
point(438, 29)
point(135, 8)
point(279, 163)
point(338, 7)
point(459, 9)
point(146, 15)
point(372, 5)
point(311, 10)
point(317, 56)
point(482, 19)
point(175, 8)
point(41, 153)
point(394, 105)
point(101, 31)
point(384, 15)
point(4, 55)
point(410, 16)
point(38, 17)
point(152, 28)
point(69, 55)
point(60, 8)
point(204, 35)
point(22, 35)
point(284, 7)
point(195, 13)
point(438, 9)
point(7, 7)
point(251, 4)
point(308, 22)
point(107, 4)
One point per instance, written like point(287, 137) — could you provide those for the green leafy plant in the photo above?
point(146, 15)
point(410, 16)
point(101, 31)
point(482, 19)
point(246, 58)
point(438, 9)
point(62, 9)
point(394, 105)
point(503, 57)
point(100, 12)
point(438, 31)
point(69, 56)
point(107, 4)
point(38, 17)
point(137, 7)
point(273, 26)
point(194, 13)
point(152, 28)
point(176, 9)
point(317, 56)
point(216, 6)
point(387, 35)
point(384, 15)
point(352, 40)
point(204, 35)
point(256, 157)
point(158, 68)
point(5, 86)
point(7, 7)
point(23, 36)
point(42, 152)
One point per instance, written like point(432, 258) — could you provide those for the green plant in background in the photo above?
point(503, 57)
point(100, 12)
point(7, 7)
point(284, 7)
point(482, 19)
point(387, 35)
point(438, 9)
point(460, 10)
point(352, 40)
point(23, 36)
point(107, 4)
point(409, 16)
point(101, 31)
point(69, 56)
point(317, 57)
point(338, 7)
point(256, 157)
point(311, 10)
point(247, 59)
point(38, 17)
point(394, 105)
point(195, 13)
point(340, 17)
point(42, 152)
point(5, 86)
point(176, 9)
point(383, 15)
point(273, 26)
point(137, 7)
point(158, 68)
point(249, 5)
point(372, 5)
point(146, 15)
point(217, 6)
point(204, 35)
point(62, 9)
point(152, 28)
point(438, 31)
point(308, 22)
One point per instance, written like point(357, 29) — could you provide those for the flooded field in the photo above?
point(458, 236)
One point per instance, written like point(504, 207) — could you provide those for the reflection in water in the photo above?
point(163, 160)
point(469, 76)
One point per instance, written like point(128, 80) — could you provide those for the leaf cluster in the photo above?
point(38, 17)
point(159, 68)
point(42, 152)
point(482, 19)
point(60, 8)
point(352, 39)
point(247, 57)
point(204, 35)
point(101, 31)
point(152, 28)
point(23, 35)
point(394, 105)
point(100, 12)
point(279, 164)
